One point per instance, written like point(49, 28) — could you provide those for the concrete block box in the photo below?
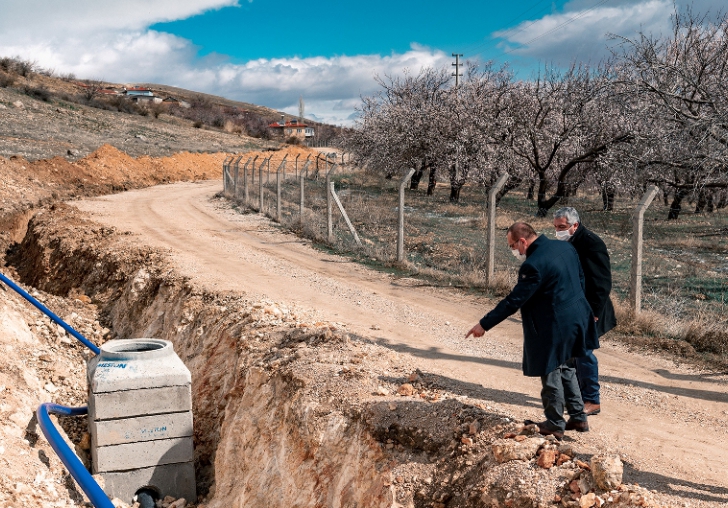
point(140, 419)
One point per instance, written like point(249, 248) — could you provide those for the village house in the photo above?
point(292, 128)
point(141, 94)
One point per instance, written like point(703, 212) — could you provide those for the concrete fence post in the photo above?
point(252, 181)
point(344, 214)
point(225, 169)
point(301, 178)
point(236, 173)
point(490, 231)
point(308, 162)
point(400, 222)
point(296, 169)
point(267, 178)
point(278, 193)
point(329, 206)
point(635, 279)
point(260, 185)
point(245, 180)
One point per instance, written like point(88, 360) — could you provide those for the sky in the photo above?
point(271, 52)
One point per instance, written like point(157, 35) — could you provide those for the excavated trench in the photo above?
point(295, 414)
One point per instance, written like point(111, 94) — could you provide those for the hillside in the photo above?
point(189, 95)
point(39, 129)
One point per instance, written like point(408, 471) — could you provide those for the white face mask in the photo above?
point(563, 235)
point(518, 255)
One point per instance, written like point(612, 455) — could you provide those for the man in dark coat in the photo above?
point(557, 323)
point(594, 260)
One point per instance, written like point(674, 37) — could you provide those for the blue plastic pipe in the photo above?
point(74, 465)
point(96, 495)
point(45, 310)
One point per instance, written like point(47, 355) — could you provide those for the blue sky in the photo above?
point(329, 27)
point(270, 52)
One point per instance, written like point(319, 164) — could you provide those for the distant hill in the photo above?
point(189, 95)
point(43, 115)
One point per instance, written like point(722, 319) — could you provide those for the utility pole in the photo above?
point(457, 66)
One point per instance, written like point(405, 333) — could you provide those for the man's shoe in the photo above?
point(591, 409)
point(577, 426)
point(544, 430)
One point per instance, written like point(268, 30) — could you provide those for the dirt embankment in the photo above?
point(26, 185)
point(290, 412)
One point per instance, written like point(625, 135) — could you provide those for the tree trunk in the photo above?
point(455, 193)
point(608, 191)
point(701, 202)
point(676, 205)
point(544, 205)
point(722, 201)
point(431, 180)
point(416, 177)
point(511, 183)
point(531, 188)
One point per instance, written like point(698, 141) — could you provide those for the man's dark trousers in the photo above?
point(561, 387)
point(594, 260)
point(587, 369)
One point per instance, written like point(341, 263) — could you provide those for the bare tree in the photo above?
point(396, 129)
point(558, 126)
point(679, 88)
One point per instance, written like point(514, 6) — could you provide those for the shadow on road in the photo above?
point(675, 486)
point(472, 390)
point(434, 353)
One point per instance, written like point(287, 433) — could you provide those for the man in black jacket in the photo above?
point(594, 260)
point(558, 324)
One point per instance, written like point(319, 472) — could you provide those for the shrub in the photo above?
point(6, 80)
point(40, 93)
point(24, 67)
point(708, 338)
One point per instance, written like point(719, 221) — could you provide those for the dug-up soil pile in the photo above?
point(25, 185)
point(290, 412)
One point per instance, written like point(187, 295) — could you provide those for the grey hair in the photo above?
point(569, 213)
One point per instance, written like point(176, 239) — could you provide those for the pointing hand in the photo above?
point(476, 331)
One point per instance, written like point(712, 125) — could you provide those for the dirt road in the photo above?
point(668, 422)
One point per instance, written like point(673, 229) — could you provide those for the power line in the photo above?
point(473, 48)
point(567, 22)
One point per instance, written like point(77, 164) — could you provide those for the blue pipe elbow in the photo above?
point(74, 465)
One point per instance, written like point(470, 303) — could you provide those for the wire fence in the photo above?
point(684, 263)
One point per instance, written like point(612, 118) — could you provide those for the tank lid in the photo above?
point(132, 364)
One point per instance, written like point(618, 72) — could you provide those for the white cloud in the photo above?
point(582, 31)
point(30, 19)
point(111, 41)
